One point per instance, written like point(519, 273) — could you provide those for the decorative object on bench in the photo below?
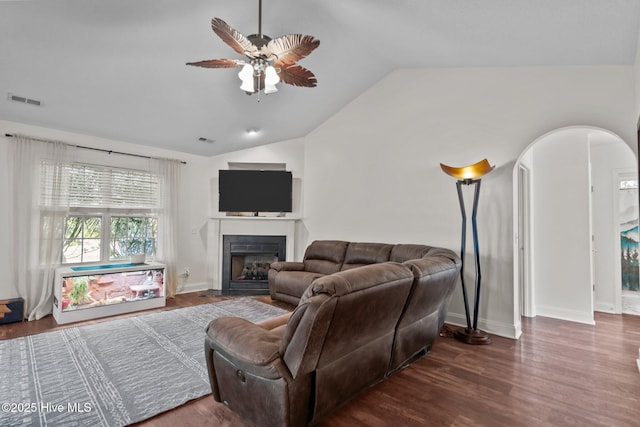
point(470, 175)
point(368, 310)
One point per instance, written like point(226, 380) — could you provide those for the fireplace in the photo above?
point(246, 260)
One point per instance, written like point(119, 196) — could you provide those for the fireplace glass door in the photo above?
point(246, 260)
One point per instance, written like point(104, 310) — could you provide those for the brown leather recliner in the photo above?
point(351, 329)
point(337, 342)
point(321, 257)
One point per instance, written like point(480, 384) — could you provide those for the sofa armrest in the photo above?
point(249, 345)
point(275, 322)
point(287, 266)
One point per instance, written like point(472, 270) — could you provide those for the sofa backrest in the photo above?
point(325, 256)
point(331, 256)
point(361, 254)
point(343, 328)
point(435, 277)
point(404, 252)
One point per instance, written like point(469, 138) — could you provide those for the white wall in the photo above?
point(561, 209)
point(193, 203)
point(561, 258)
point(372, 170)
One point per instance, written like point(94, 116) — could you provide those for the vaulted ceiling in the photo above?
point(116, 68)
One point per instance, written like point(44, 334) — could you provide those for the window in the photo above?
point(82, 239)
point(133, 235)
point(112, 211)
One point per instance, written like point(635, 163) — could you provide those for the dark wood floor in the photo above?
point(557, 374)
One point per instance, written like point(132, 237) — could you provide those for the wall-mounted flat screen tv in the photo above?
point(254, 191)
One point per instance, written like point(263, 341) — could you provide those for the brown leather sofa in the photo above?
point(350, 330)
point(289, 280)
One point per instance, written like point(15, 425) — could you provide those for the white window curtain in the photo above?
point(35, 235)
point(168, 173)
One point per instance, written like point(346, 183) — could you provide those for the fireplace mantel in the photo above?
point(219, 226)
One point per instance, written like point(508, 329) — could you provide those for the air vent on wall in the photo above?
point(24, 100)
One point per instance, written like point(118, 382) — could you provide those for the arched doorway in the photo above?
point(567, 237)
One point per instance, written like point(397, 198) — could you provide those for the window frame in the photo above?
point(64, 232)
point(106, 237)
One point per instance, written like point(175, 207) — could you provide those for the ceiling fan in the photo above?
point(268, 61)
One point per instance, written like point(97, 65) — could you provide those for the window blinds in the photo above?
point(82, 185)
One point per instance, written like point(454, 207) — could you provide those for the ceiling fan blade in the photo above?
point(233, 38)
point(297, 76)
point(215, 63)
point(291, 48)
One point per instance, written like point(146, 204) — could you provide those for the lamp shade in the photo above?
point(470, 172)
point(271, 78)
point(246, 75)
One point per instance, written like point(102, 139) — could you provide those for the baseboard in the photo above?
point(605, 308)
point(192, 287)
point(204, 286)
point(492, 327)
point(235, 293)
point(564, 314)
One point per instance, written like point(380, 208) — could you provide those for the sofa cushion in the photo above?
point(294, 282)
point(361, 254)
point(405, 252)
point(325, 256)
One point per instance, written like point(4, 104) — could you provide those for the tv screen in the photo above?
point(254, 191)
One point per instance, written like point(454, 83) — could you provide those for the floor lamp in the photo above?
point(470, 175)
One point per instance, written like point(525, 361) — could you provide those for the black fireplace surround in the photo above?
point(246, 260)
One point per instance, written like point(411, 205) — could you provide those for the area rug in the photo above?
point(116, 372)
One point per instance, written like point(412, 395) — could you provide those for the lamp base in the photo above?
point(472, 336)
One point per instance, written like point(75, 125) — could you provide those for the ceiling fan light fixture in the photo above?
point(246, 75)
point(271, 79)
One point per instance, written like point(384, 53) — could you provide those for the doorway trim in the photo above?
point(523, 241)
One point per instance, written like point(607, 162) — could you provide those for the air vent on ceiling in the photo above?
point(24, 100)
